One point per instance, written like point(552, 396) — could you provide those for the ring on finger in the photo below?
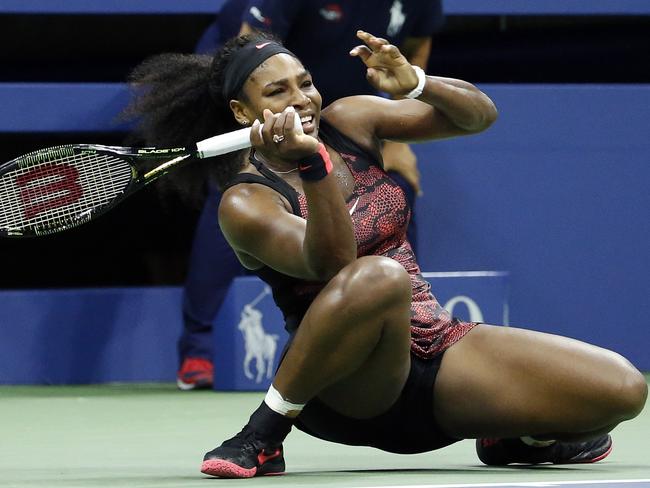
point(278, 138)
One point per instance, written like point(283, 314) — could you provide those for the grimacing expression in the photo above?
point(279, 82)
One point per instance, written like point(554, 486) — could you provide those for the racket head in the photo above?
point(58, 188)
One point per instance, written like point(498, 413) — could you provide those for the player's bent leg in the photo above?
point(518, 382)
point(352, 347)
point(501, 382)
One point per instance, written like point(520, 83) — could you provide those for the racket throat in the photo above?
point(163, 169)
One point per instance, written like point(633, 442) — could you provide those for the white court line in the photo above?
point(529, 483)
point(462, 274)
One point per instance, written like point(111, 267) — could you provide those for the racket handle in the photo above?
point(233, 141)
point(224, 143)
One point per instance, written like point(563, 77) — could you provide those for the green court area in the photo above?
point(155, 436)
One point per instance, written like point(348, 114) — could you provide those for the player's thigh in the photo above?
point(503, 381)
point(376, 384)
point(367, 307)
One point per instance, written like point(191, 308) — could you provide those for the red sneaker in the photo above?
point(195, 374)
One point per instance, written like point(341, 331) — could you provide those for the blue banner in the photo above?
point(249, 331)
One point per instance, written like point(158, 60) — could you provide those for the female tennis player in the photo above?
point(373, 359)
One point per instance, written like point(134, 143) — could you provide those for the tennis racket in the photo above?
point(62, 187)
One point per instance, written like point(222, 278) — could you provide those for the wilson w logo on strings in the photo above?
point(48, 187)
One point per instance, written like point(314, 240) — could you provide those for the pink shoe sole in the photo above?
point(225, 469)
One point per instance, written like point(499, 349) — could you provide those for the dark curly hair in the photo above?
point(177, 101)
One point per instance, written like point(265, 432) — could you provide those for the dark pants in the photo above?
point(212, 267)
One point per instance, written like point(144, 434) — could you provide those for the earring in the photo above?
point(245, 122)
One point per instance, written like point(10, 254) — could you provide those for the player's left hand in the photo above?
point(388, 70)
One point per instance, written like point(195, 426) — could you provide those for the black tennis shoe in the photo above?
point(244, 456)
point(500, 452)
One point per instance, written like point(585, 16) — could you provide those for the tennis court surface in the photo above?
point(155, 436)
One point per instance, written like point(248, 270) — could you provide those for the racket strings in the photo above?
point(49, 188)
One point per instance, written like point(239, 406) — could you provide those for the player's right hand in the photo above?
point(282, 136)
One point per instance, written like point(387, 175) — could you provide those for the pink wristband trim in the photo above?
point(326, 157)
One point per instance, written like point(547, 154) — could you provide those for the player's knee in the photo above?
point(376, 279)
point(634, 392)
point(627, 398)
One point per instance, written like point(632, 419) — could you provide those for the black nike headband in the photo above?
point(243, 63)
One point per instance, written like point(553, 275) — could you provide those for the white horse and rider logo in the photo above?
point(259, 345)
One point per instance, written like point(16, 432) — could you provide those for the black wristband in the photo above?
point(317, 166)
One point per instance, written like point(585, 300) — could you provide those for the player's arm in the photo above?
point(262, 230)
point(451, 107)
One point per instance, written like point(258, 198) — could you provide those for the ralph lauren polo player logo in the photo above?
point(332, 12)
point(259, 345)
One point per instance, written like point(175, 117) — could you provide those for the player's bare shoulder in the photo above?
point(356, 117)
point(245, 200)
point(247, 205)
point(357, 110)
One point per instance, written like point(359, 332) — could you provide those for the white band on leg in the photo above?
point(278, 404)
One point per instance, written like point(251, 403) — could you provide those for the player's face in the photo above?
point(282, 81)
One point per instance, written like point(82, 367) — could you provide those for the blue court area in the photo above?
point(139, 436)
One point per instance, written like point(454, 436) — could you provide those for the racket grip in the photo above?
point(233, 141)
point(224, 143)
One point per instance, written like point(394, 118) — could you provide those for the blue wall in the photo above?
point(62, 107)
point(89, 336)
point(129, 334)
point(556, 192)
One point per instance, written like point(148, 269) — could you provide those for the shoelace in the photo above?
point(247, 440)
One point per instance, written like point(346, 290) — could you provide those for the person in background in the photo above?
point(317, 31)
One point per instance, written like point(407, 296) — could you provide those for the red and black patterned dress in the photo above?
point(380, 216)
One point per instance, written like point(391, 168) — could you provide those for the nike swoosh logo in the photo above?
point(354, 207)
point(260, 46)
point(262, 457)
point(304, 168)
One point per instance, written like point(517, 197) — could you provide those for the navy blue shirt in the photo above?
point(322, 32)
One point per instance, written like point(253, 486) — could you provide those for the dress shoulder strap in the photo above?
point(270, 179)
